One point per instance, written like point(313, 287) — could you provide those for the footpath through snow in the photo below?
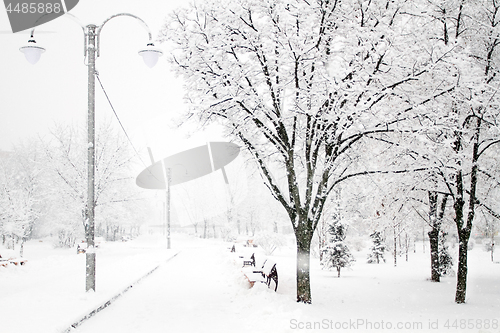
point(202, 289)
point(48, 293)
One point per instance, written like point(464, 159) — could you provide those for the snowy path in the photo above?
point(188, 294)
point(202, 289)
point(50, 289)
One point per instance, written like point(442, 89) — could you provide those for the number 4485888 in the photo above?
point(471, 324)
point(34, 7)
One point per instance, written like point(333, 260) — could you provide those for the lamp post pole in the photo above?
point(90, 261)
point(91, 37)
point(168, 179)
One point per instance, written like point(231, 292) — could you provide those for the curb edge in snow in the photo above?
point(114, 298)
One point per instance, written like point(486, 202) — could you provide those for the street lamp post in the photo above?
point(168, 180)
point(91, 39)
point(89, 223)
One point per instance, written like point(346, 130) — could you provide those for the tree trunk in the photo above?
point(435, 218)
point(492, 240)
point(423, 239)
point(395, 247)
point(434, 245)
point(303, 264)
point(407, 246)
point(338, 271)
point(463, 239)
point(434, 236)
point(462, 270)
point(464, 231)
point(492, 250)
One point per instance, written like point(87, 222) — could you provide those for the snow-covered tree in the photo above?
point(21, 192)
point(444, 256)
point(269, 241)
point(118, 201)
point(336, 254)
point(377, 249)
point(299, 84)
point(461, 125)
point(489, 229)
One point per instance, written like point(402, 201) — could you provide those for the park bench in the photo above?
point(14, 261)
point(250, 261)
point(18, 261)
point(267, 274)
point(81, 247)
point(245, 242)
point(4, 263)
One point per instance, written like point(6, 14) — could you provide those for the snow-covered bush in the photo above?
point(269, 241)
point(227, 234)
point(357, 243)
point(65, 238)
point(488, 246)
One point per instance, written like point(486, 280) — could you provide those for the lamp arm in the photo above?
point(71, 16)
point(145, 26)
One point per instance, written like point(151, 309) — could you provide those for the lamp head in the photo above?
point(32, 52)
point(150, 55)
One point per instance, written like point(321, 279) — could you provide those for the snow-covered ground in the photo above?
point(48, 293)
point(202, 289)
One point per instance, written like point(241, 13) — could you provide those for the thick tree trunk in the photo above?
point(462, 270)
point(463, 237)
point(303, 264)
point(464, 228)
point(435, 219)
point(434, 244)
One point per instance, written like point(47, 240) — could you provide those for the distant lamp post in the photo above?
point(91, 51)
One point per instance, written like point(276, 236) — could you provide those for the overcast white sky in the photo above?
point(34, 97)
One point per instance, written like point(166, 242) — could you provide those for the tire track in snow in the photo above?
point(114, 298)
